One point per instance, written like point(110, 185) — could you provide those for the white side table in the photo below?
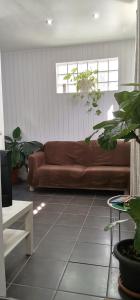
point(12, 237)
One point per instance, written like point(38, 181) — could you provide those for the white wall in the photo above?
point(2, 269)
point(1, 112)
point(29, 90)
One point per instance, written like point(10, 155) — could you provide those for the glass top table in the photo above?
point(116, 203)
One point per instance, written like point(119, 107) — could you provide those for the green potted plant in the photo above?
point(20, 150)
point(86, 87)
point(125, 125)
point(128, 252)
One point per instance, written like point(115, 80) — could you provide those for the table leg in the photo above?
point(29, 228)
point(111, 230)
point(119, 226)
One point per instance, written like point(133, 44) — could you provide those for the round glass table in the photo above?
point(117, 203)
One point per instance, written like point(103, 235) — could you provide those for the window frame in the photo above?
point(87, 62)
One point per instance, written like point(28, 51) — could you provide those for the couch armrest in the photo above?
point(35, 160)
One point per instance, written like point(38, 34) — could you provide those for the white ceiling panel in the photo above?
point(22, 22)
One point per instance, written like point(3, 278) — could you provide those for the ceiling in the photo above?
point(22, 22)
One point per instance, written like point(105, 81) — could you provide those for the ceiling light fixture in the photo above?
point(49, 21)
point(96, 15)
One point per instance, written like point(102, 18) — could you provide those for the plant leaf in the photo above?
point(113, 224)
point(17, 133)
point(8, 139)
point(30, 147)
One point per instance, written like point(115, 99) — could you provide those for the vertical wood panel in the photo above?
point(29, 90)
point(1, 112)
point(2, 268)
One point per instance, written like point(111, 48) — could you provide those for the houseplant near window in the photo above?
point(86, 87)
point(125, 125)
point(20, 150)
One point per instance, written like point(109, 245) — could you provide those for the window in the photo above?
point(107, 76)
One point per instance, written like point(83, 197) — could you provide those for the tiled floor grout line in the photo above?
point(66, 205)
point(91, 296)
point(31, 286)
point(44, 236)
point(72, 250)
point(68, 292)
point(22, 267)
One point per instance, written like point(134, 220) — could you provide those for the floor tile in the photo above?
point(39, 202)
point(71, 220)
point(127, 235)
point(15, 260)
point(56, 208)
point(57, 250)
point(85, 279)
point(99, 222)
point(63, 233)
point(113, 284)
point(40, 230)
point(94, 235)
point(82, 201)
point(84, 194)
point(86, 275)
point(73, 296)
point(100, 202)
point(103, 211)
point(95, 254)
point(60, 200)
point(29, 293)
point(100, 211)
point(41, 273)
point(46, 218)
point(114, 262)
point(128, 226)
point(77, 209)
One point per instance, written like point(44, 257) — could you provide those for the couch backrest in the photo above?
point(70, 152)
point(120, 156)
point(60, 152)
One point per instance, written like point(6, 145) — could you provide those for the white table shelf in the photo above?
point(12, 237)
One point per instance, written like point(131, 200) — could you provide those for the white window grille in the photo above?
point(107, 75)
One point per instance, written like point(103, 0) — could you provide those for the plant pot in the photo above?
point(23, 174)
point(129, 269)
point(15, 175)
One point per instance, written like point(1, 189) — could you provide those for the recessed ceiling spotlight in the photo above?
point(96, 15)
point(49, 21)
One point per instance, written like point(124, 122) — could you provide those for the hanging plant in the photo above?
point(86, 87)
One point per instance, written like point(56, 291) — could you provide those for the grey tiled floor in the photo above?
point(71, 259)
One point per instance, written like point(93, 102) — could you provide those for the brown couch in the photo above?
point(80, 165)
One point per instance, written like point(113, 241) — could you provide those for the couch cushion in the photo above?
point(75, 176)
point(60, 176)
point(108, 177)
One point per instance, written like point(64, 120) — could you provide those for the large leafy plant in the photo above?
point(86, 87)
point(126, 121)
point(133, 209)
point(125, 125)
point(20, 150)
